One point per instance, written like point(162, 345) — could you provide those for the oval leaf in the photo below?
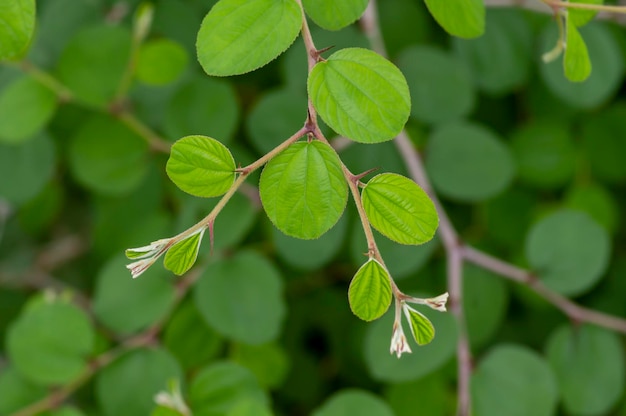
point(303, 190)
point(462, 18)
point(183, 254)
point(239, 36)
point(334, 15)
point(576, 62)
point(370, 291)
point(360, 95)
point(398, 208)
point(17, 24)
point(422, 329)
point(201, 166)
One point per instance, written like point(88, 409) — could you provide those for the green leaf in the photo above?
point(242, 298)
point(182, 255)
point(50, 342)
point(383, 366)
point(569, 251)
point(360, 95)
point(105, 156)
point(353, 401)
point(25, 108)
point(580, 17)
point(128, 385)
point(29, 165)
point(467, 162)
point(576, 61)
point(603, 144)
point(589, 366)
point(334, 15)
point(398, 208)
point(422, 329)
point(127, 305)
point(239, 36)
point(201, 166)
point(430, 394)
point(250, 407)
point(462, 18)
point(17, 24)
point(526, 378)
point(268, 362)
point(216, 389)
point(303, 189)
point(370, 291)
point(597, 202)
point(17, 392)
point(202, 105)
point(161, 62)
point(440, 84)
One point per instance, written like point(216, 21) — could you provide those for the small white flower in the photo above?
point(438, 303)
point(399, 342)
point(146, 256)
point(138, 267)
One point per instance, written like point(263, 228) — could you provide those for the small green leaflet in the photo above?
point(17, 24)
point(398, 208)
point(462, 18)
point(422, 329)
point(580, 17)
point(183, 254)
point(360, 95)
point(332, 14)
point(370, 291)
point(303, 190)
point(201, 166)
point(239, 36)
point(576, 61)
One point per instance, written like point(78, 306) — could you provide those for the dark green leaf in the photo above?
point(268, 362)
point(17, 392)
point(352, 401)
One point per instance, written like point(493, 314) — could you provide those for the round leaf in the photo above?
point(334, 15)
point(569, 251)
point(182, 255)
point(398, 208)
point(161, 61)
point(370, 291)
point(589, 366)
point(241, 297)
point(526, 378)
point(467, 162)
point(597, 202)
point(201, 166)
point(105, 156)
point(50, 342)
point(440, 84)
point(128, 305)
point(128, 385)
point(17, 24)
point(25, 107)
point(239, 36)
point(462, 18)
point(360, 95)
point(268, 362)
point(303, 189)
point(352, 401)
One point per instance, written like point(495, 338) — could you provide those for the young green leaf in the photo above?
point(462, 18)
point(360, 95)
point(370, 291)
point(183, 254)
point(334, 15)
point(576, 62)
point(303, 190)
point(161, 62)
point(398, 208)
point(581, 17)
point(17, 24)
point(201, 166)
point(239, 36)
point(422, 329)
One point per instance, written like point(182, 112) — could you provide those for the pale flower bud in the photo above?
point(399, 343)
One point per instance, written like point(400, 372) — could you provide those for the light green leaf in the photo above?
point(422, 329)
point(161, 62)
point(580, 17)
point(589, 366)
point(360, 95)
point(569, 251)
point(398, 208)
point(182, 255)
point(334, 15)
point(353, 401)
point(462, 18)
point(576, 61)
point(201, 166)
point(303, 190)
point(17, 24)
point(370, 291)
point(239, 36)
point(25, 108)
